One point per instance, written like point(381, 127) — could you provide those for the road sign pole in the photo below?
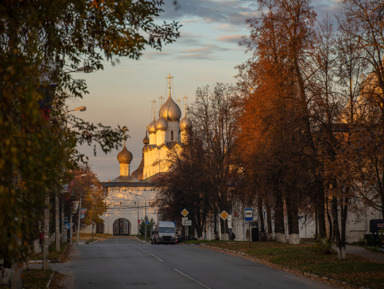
point(249, 218)
point(249, 234)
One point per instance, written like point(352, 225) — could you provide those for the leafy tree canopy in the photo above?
point(41, 43)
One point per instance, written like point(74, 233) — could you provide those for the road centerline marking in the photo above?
point(153, 255)
point(192, 279)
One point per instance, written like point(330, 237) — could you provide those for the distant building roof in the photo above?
point(126, 181)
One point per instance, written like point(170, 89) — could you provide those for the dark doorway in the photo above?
point(121, 227)
point(100, 228)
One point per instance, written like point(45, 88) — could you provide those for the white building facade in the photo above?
point(130, 197)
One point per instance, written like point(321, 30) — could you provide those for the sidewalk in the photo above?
point(360, 251)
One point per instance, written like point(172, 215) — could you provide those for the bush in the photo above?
point(323, 246)
point(149, 227)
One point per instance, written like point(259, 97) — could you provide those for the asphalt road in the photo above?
point(127, 263)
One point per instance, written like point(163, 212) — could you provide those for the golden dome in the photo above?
point(125, 156)
point(161, 124)
point(146, 139)
point(152, 127)
point(170, 111)
point(184, 123)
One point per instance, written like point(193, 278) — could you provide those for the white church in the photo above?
point(130, 195)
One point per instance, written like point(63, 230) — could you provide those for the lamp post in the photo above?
point(78, 218)
point(86, 69)
point(93, 209)
point(81, 109)
point(145, 212)
point(138, 213)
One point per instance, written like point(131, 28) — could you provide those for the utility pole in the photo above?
point(145, 212)
point(46, 234)
point(63, 230)
point(70, 223)
point(78, 221)
point(93, 210)
point(57, 222)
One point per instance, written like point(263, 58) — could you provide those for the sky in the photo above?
point(207, 52)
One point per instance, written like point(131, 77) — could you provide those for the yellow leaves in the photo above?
point(97, 4)
point(13, 150)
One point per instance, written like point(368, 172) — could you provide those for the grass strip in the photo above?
point(35, 278)
point(306, 258)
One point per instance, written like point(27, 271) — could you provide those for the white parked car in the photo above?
point(164, 232)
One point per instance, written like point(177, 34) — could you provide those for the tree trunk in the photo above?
point(261, 217)
point(321, 212)
point(382, 204)
point(344, 214)
point(16, 282)
point(215, 232)
point(70, 224)
point(223, 229)
point(57, 222)
point(293, 220)
point(269, 222)
point(339, 244)
point(330, 223)
point(46, 234)
point(63, 231)
point(279, 218)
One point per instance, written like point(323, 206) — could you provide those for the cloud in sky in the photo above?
point(231, 12)
point(203, 52)
point(206, 48)
point(226, 17)
point(197, 56)
point(207, 52)
point(209, 27)
point(235, 38)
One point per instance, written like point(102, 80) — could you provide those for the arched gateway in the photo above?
point(121, 227)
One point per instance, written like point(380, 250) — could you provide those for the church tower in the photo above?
point(184, 124)
point(171, 113)
point(124, 157)
point(164, 135)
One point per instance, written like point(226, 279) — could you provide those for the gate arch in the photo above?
point(121, 227)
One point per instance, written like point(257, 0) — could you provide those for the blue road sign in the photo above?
point(248, 215)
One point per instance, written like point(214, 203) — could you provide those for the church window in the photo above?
point(172, 135)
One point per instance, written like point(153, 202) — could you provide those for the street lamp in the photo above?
point(145, 212)
point(78, 218)
point(86, 69)
point(80, 108)
point(138, 211)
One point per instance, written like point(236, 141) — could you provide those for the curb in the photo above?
point(41, 261)
point(50, 280)
point(94, 241)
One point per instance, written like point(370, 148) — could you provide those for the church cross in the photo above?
point(169, 84)
point(154, 108)
point(124, 129)
point(185, 103)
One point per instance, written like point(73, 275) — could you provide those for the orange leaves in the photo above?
point(97, 4)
